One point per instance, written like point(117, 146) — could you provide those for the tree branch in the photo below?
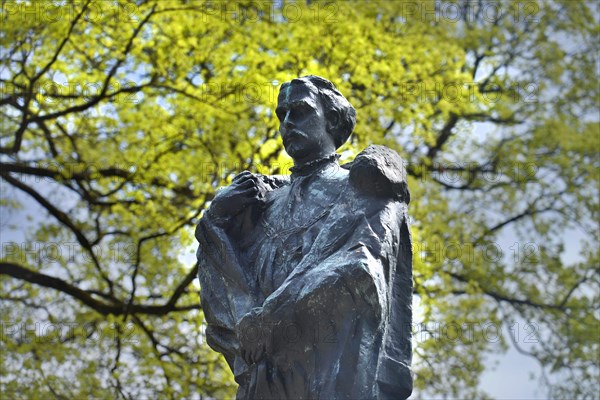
point(63, 219)
point(115, 307)
point(443, 137)
point(503, 298)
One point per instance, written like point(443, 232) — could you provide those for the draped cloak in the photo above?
point(321, 273)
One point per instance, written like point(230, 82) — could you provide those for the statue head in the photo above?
point(315, 119)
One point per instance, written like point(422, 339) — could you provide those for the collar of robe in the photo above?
point(313, 166)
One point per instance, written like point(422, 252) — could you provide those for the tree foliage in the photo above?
point(120, 120)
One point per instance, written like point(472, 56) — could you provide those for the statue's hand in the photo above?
point(252, 336)
point(246, 189)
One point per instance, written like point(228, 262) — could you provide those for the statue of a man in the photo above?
point(306, 281)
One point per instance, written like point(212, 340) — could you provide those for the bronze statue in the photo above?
point(306, 281)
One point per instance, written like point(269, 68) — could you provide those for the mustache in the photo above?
point(293, 135)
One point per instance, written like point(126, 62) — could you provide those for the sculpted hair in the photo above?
point(332, 101)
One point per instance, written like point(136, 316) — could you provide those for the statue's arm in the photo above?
point(348, 252)
point(303, 298)
point(227, 289)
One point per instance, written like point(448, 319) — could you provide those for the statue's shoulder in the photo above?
point(379, 171)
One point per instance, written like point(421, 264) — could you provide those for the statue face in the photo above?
point(303, 125)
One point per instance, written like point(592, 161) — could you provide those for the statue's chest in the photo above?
point(299, 206)
point(291, 224)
